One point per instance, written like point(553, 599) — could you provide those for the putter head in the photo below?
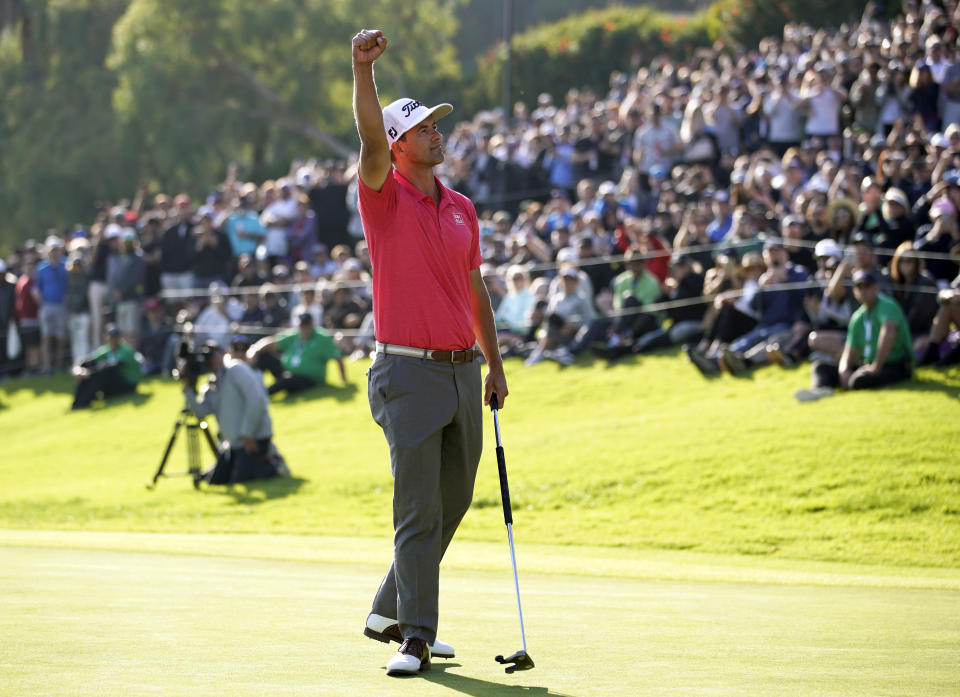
point(521, 661)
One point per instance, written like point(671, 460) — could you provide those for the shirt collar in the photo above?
point(416, 193)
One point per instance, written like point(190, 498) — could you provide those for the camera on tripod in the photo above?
point(192, 359)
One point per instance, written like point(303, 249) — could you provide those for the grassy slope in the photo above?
point(645, 454)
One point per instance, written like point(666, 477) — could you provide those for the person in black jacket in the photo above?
point(178, 247)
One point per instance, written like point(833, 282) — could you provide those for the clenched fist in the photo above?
point(368, 44)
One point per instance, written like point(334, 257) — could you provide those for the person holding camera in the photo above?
point(235, 395)
point(113, 369)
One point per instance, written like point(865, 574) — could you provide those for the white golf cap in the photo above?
point(403, 114)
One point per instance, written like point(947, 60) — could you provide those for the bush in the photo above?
point(746, 22)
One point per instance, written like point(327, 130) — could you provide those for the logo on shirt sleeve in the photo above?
point(458, 219)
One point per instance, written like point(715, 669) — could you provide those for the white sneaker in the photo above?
point(813, 395)
point(413, 656)
point(386, 630)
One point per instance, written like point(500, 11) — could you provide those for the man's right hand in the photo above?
point(368, 44)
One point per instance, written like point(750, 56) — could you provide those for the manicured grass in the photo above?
point(86, 614)
point(645, 454)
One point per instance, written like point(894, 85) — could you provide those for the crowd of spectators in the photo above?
point(724, 202)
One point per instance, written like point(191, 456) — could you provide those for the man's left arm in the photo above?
point(486, 331)
point(885, 344)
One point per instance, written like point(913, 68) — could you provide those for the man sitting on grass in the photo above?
point(113, 369)
point(297, 359)
point(879, 348)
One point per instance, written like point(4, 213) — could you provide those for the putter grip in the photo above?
point(494, 404)
point(504, 488)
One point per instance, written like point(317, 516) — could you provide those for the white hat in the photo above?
point(607, 187)
point(112, 230)
point(897, 196)
point(828, 248)
point(402, 115)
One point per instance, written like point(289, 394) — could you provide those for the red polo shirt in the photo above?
point(422, 256)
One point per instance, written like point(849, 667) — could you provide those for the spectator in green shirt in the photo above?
point(297, 359)
point(113, 369)
point(879, 347)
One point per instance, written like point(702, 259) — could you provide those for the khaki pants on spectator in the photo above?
point(79, 324)
point(97, 295)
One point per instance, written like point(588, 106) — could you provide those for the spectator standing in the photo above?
point(126, 280)
point(98, 292)
point(212, 257)
point(244, 229)
point(51, 286)
point(77, 303)
point(26, 310)
point(177, 247)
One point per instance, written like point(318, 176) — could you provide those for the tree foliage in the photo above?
point(100, 96)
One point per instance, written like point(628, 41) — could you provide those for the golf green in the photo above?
point(153, 614)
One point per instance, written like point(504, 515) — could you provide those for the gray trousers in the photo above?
point(431, 414)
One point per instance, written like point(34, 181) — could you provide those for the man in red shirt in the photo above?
point(430, 310)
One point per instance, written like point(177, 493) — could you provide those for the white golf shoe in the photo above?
point(413, 656)
point(386, 630)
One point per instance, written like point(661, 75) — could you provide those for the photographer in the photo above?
point(235, 395)
point(113, 369)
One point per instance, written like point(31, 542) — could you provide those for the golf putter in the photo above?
point(521, 659)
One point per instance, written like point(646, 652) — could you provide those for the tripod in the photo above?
point(193, 424)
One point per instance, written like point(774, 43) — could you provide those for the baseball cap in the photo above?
point(607, 187)
point(862, 238)
point(304, 318)
point(862, 276)
point(897, 196)
point(827, 248)
point(111, 330)
point(773, 242)
point(569, 272)
point(403, 114)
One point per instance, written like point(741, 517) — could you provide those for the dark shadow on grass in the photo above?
point(441, 675)
point(341, 393)
point(257, 490)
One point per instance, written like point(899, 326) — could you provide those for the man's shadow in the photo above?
point(441, 675)
point(257, 490)
point(341, 393)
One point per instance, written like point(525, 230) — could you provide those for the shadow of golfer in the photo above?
point(440, 674)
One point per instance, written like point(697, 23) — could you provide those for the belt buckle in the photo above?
point(453, 356)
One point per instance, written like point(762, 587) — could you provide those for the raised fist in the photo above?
point(368, 44)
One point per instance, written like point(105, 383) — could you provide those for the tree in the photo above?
point(259, 82)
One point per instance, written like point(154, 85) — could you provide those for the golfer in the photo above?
point(430, 310)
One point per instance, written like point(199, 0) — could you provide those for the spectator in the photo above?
point(126, 279)
point(244, 229)
point(278, 218)
point(8, 291)
point(77, 303)
point(879, 348)
point(178, 247)
point(940, 237)
point(915, 291)
point(212, 256)
point(98, 293)
point(948, 315)
point(213, 324)
point(567, 311)
point(111, 370)
point(686, 318)
point(26, 311)
point(51, 284)
point(157, 339)
point(302, 360)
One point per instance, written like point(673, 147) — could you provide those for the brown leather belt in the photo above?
point(460, 356)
